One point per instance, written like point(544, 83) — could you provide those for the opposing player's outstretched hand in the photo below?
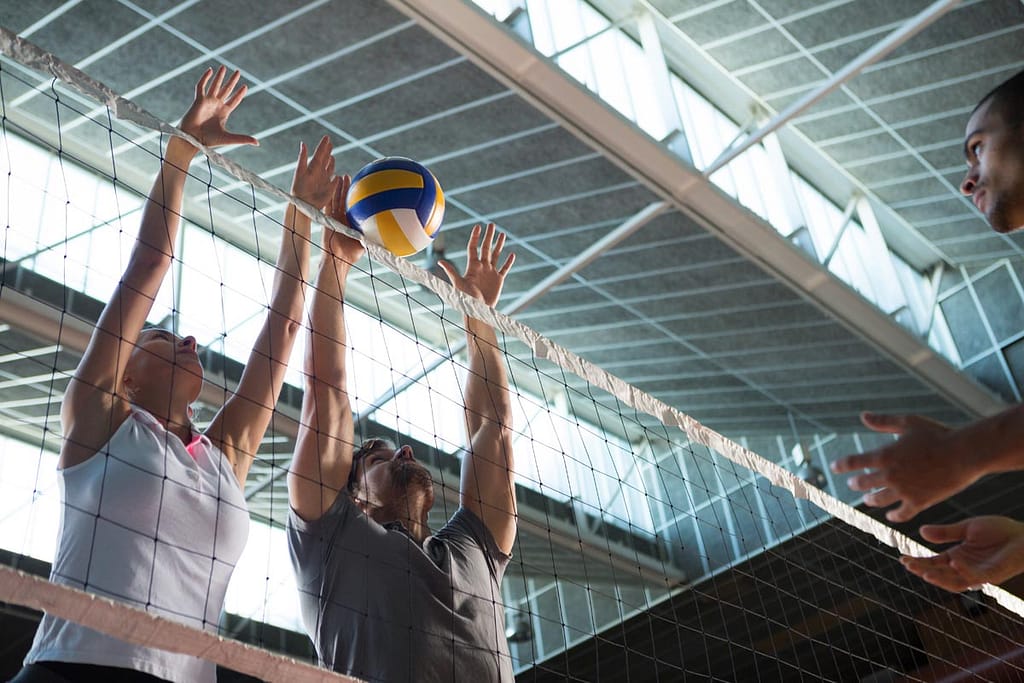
point(314, 181)
point(483, 278)
point(206, 120)
point(929, 463)
point(338, 244)
point(988, 550)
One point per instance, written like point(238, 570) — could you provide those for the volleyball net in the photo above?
point(649, 544)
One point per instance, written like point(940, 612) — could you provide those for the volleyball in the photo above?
point(397, 203)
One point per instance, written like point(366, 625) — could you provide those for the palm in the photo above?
point(336, 243)
point(206, 119)
point(483, 282)
point(314, 181)
point(483, 278)
point(987, 550)
point(992, 543)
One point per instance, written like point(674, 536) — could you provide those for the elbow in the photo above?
point(147, 262)
point(290, 330)
point(320, 379)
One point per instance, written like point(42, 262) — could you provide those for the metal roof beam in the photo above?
point(911, 28)
point(473, 32)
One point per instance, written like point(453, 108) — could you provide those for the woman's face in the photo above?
point(162, 361)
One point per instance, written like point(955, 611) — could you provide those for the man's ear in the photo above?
point(358, 499)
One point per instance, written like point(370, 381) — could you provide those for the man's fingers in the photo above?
point(881, 499)
point(322, 152)
point(218, 80)
point(449, 270)
point(937, 571)
point(499, 244)
point(230, 85)
point(866, 482)
point(203, 80)
point(853, 463)
point(239, 139)
point(485, 247)
point(236, 99)
point(886, 424)
point(944, 533)
point(474, 241)
point(503, 271)
point(903, 513)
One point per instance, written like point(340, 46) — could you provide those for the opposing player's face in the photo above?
point(994, 148)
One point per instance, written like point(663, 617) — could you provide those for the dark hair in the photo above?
point(1007, 99)
point(365, 448)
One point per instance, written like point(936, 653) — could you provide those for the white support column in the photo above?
point(851, 206)
point(883, 256)
point(660, 76)
point(781, 181)
point(933, 307)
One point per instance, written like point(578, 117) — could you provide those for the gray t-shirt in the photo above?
point(380, 607)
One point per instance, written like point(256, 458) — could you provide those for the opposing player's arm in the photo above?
point(488, 479)
point(986, 550)
point(92, 408)
point(240, 425)
point(323, 451)
point(930, 462)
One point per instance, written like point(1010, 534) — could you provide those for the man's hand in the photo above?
point(988, 550)
point(926, 465)
point(314, 181)
point(206, 120)
point(337, 244)
point(483, 278)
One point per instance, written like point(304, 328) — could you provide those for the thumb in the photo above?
point(239, 139)
point(887, 424)
point(944, 533)
point(449, 269)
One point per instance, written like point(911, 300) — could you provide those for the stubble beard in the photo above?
point(409, 477)
point(999, 215)
point(411, 485)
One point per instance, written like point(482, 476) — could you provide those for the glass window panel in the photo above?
point(29, 499)
point(966, 325)
point(990, 372)
point(1000, 299)
point(263, 585)
point(224, 293)
point(1014, 354)
point(918, 289)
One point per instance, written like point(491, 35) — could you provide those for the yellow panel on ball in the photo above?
point(397, 203)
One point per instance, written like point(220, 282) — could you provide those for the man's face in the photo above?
point(994, 150)
point(386, 477)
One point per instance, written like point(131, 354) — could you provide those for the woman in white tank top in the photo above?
point(153, 512)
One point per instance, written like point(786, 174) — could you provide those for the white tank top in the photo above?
point(154, 523)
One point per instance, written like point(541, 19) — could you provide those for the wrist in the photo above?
point(997, 443)
point(180, 152)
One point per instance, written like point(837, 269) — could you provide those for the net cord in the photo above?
point(134, 625)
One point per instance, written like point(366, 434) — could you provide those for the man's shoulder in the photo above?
point(339, 511)
point(465, 526)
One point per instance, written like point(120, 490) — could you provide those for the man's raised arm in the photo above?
point(488, 487)
point(323, 451)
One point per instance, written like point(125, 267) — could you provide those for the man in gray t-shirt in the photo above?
point(382, 598)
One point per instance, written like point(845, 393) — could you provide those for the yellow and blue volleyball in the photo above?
point(397, 203)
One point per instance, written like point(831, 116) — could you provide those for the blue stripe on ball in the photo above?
point(428, 195)
point(411, 198)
